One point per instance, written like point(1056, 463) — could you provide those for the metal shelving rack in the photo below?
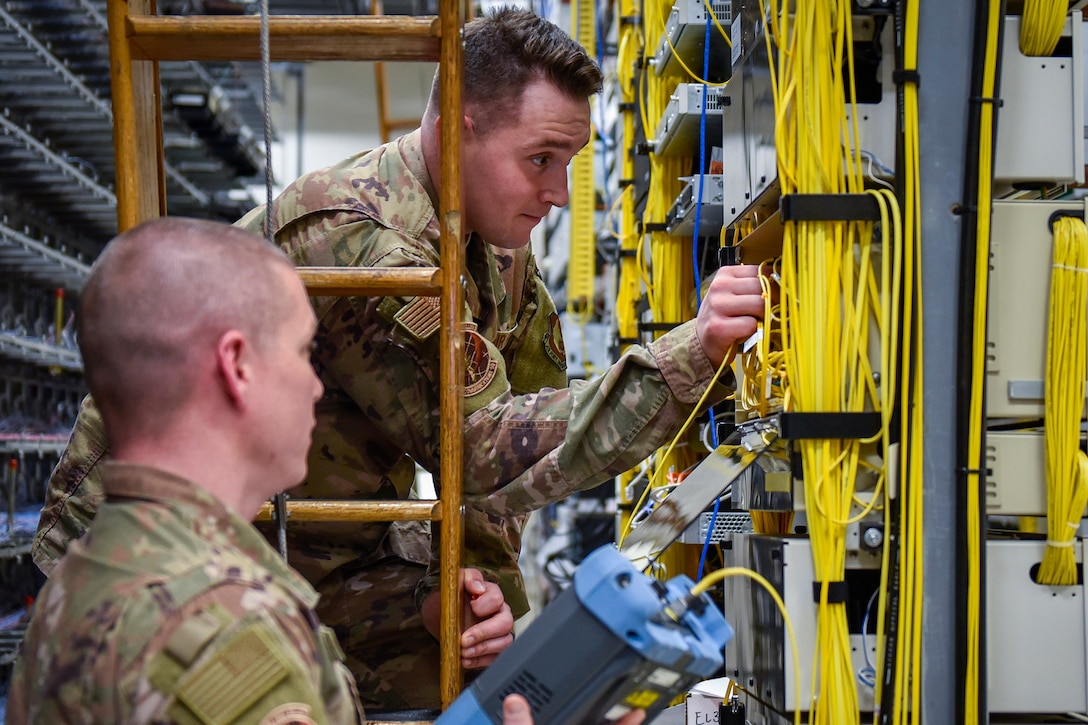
point(58, 205)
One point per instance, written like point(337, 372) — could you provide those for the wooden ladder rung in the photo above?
point(291, 37)
point(357, 511)
point(338, 281)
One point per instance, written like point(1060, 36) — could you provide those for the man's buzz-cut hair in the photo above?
point(160, 296)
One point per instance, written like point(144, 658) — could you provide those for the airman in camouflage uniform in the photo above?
point(529, 438)
point(173, 607)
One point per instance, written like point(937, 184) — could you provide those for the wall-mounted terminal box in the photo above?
point(684, 40)
point(681, 217)
point(1040, 128)
point(683, 122)
point(1036, 645)
point(1021, 257)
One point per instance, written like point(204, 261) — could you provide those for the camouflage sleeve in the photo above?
point(540, 448)
point(74, 492)
point(240, 659)
point(492, 545)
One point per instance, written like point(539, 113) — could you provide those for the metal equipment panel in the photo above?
point(1040, 133)
point(684, 40)
point(679, 129)
point(1036, 654)
point(1021, 255)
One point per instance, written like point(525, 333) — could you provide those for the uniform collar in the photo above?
point(205, 515)
point(410, 147)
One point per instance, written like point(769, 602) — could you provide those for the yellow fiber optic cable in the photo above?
point(907, 459)
point(1067, 369)
point(721, 574)
point(1041, 26)
point(976, 423)
point(832, 282)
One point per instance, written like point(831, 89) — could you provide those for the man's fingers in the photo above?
point(496, 626)
point(485, 653)
point(488, 601)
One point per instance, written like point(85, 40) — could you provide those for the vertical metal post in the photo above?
point(944, 60)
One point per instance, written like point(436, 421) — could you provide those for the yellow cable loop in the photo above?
point(1067, 369)
point(721, 574)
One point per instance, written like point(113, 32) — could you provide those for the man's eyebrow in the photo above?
point(554, 144)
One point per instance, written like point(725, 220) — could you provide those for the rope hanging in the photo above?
point(279, 501)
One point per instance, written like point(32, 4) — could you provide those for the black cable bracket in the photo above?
point(829, 207)
point(903, 76)
point(1064, 213)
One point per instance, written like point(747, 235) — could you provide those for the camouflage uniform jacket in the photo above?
point(174, 609)
point(529, 439)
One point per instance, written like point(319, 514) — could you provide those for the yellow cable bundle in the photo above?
point(976, 423)
point(1066, 370)
point(829, 278)
point(761, 377)
point(1041, 26)
point(629, 51)
point(630, 276)
point(905, 466)
point(669, 279)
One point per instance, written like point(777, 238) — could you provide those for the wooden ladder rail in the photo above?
point(139, 39)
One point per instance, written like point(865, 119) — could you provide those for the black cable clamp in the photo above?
point(823, 426)
point(979, 100)
point(624, 183)
point(836, 592)
point(902, 76)
point(628, 106)
point(630, 20)
point(829, 207)
point(1063, 213)
point(628, 341)
point(644, 148)
point(963, 470)
point(655, 227)
point(628, 253)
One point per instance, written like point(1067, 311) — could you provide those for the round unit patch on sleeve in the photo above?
point(553, 342)
point(479, 366)
point(290, 713)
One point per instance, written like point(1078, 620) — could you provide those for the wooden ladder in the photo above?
point(139, 39)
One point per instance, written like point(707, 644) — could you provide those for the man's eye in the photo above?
point(540, 160)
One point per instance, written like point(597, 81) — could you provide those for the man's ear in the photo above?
point(233, 365)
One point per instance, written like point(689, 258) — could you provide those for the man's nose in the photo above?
point(556, 192)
